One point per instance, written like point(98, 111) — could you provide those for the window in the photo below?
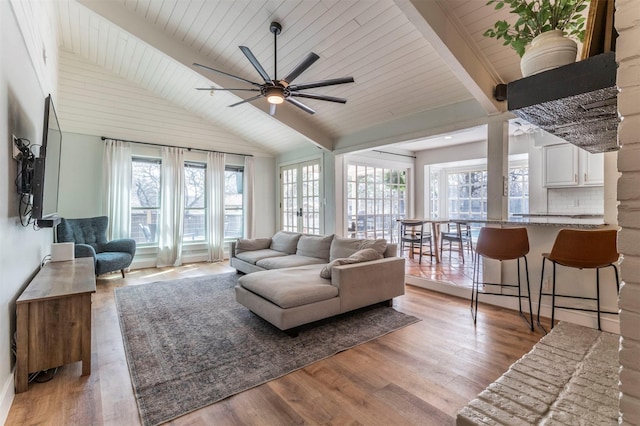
point(194, 202)
point(518, 190)
point(467, 194)
point(376, 197)
point(466, 191)
point(233, 211)
point(145, 199)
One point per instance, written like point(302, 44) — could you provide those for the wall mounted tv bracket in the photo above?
point(23, 154)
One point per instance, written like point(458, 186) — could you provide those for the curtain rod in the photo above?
point(393, 153)
point(173, 146)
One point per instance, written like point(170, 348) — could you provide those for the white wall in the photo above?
point(81, 176)
point(22, 96)
point(265, 196)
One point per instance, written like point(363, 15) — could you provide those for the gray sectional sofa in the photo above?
point(295, 279)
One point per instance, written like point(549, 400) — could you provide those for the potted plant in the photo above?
point(541, 33)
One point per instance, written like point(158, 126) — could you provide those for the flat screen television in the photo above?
point(46, 173)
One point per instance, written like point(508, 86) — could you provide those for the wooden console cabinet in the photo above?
point(54, 319)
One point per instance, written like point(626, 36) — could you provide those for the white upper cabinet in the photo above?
point(592, 168)
point(567, 165)
point(560, 163)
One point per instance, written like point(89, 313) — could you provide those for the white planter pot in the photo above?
point(547, 51)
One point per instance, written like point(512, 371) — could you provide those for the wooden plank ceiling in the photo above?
point(151, 43)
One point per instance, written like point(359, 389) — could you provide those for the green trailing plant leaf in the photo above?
point(536, 17)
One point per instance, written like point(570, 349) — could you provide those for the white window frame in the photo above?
point(378, 163)
point(518, 160)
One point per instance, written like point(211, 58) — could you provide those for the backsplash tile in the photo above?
point(583, 200)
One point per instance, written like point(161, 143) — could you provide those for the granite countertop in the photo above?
point(565, 221)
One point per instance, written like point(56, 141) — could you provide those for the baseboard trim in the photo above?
point(6, 398)
point(609, 323)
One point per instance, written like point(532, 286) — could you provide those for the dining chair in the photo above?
point(580, 249)
point(458, 233)
point(502, 244)
point(413, 234)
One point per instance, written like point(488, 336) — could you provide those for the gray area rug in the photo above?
point(189, 343)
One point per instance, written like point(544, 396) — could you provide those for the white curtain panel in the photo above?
point(248, 197)
point(171, 223)
point(117, 184)
point(215, 196)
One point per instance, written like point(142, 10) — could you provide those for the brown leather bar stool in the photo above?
point(502, 244)
point(583, 250)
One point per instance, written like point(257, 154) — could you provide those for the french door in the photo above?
point(300, 197)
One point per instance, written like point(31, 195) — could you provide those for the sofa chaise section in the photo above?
point(342, 280)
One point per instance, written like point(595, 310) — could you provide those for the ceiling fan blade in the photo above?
point(272, 109)
point(226, 73)
point(246, 100)
point(216, 88)
point(322, 83)
point(300, 105)
point(319, 97)
point(302, 67)
point(255, 63)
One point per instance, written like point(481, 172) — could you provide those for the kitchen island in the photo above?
point(551, 220)
point(541, 231)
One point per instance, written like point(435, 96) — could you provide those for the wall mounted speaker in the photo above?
point(500, 92)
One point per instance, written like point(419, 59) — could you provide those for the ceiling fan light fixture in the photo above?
point(274, 96)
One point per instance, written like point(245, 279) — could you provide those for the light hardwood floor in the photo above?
point(422, 374)
point(452, 269)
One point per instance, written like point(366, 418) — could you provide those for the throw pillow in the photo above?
point(315, 246)
point(286, 242)
point(364, 255)
point(345, 247)
point(252, 244)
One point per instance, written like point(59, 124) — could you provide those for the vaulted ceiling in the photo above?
point(421, 67)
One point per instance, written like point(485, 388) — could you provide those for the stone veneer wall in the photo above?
point(627, 22)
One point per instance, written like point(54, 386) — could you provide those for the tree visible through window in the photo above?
point(145, 199)
point(194, 202)
point(467, 194)
point(233, 211)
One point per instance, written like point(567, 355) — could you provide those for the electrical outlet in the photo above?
point(545, 285)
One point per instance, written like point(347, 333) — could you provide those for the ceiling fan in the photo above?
point(277, 91)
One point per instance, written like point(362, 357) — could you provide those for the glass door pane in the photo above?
point(300, 197)
point(289, 198)
point(376, 198)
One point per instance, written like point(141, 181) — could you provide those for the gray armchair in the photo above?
point(90, 238)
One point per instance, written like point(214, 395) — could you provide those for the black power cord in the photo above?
point(39, 376)
point(24, 179)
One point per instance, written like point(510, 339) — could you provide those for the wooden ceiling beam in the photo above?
point(438, 29)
